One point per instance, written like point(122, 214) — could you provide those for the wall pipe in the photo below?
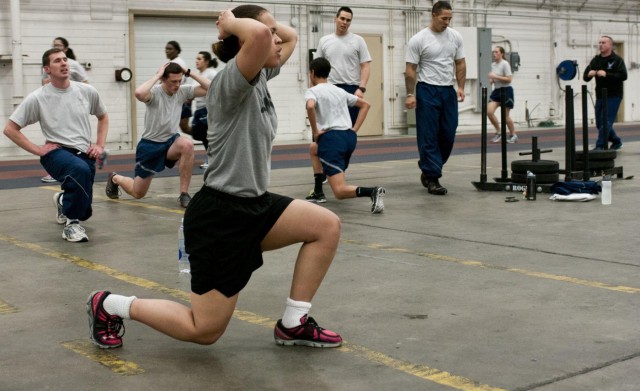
point(16, 53)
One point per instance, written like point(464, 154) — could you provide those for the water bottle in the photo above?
point(183, 257)
point(606, 190)
point(531, 186)
point(102, 159)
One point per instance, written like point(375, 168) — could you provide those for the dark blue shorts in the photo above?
point(509, 99)
point(151, 157)
point(223, 235)
point(334, 150)
point(199, 125)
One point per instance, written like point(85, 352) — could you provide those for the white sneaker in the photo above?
point(48, 179)
point(57, 201)
point(74, 232)
point(513, 139)
point(204, 165)
point(496, 138)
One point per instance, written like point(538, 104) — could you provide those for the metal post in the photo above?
point(605, 119)
point(568, 132)
point(483, 138)
point(585, 135)
point(503, 133)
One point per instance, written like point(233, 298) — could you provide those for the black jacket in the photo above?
point(616, 74)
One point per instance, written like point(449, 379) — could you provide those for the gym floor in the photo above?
point(463, 291)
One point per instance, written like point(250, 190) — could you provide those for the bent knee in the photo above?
point(208, 338)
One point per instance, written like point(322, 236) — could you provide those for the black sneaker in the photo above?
point(317, 198)
point(377, 203)
point(433, 185)
point(112, 189)
point(616, 146)
point(184, 199)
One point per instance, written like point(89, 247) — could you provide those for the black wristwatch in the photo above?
point(363, 89)
point(187, 73)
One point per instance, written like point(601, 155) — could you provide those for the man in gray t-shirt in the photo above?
point(161, 145)
point(64, 108)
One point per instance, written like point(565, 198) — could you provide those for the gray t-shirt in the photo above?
point(345, 53)
point(162, 118)
point(64, 114)
point(501, 68)
point(200, 102)
point(331, 106)
point(435, 55)
point(242, 125)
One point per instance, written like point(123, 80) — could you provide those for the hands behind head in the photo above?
point(160, 72)
point(225, 16)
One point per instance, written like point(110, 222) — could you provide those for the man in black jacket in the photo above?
point(609, 70)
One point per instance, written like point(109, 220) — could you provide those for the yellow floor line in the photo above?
point(104, 357)
point(6, 308)
point(469, 262)
point(115, 364)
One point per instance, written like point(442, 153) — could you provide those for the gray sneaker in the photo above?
point(496, 138)
point(513, 139)
point(184, 199)
point(48, 179)
point(377, 202)
point(112, 189)
point(57, 201)
point(74, 232)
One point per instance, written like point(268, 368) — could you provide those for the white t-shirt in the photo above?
point(64, 114)
point(162, 118)
point(501, 68)
point(332, 104)
point(435, 55)
point(200, 102)
point(345, 53)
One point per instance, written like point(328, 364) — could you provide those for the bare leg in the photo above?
point(315, 160)
point(318, 229)
point(340, 187)
point(135, 187)
point(512, 128)
point(491, 109)
point(183, 151)
point(203, 323)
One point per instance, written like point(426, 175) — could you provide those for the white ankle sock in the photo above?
point(293, 312)
point(118, 305)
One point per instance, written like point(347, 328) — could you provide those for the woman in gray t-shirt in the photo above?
point(233, 218)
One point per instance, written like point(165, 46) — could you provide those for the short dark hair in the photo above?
point(320, 67)
point(345, 9)
point(45, 57)
point(172, 68)
point(439, 6)
point(610, 39)
point(176, 45)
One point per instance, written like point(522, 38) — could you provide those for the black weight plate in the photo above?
point(596, 165)
point(540, 178)
point(609, 154)
point(539, 167)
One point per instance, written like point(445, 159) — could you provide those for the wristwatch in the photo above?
point(363, 89)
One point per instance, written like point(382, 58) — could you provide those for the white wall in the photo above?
point(99, 33)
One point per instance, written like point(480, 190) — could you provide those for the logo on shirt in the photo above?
point(610, 65)
point(267, 104)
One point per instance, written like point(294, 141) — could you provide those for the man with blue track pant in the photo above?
point(434, 56)
point(63, 108)
point(609, 70)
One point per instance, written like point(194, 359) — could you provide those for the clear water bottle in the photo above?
point(532, 187)
point(183, 256)
point(606, 190)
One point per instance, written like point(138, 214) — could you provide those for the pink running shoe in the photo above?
point(307, 334)
point(104, 329)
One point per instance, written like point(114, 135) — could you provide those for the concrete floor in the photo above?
point(457, 292)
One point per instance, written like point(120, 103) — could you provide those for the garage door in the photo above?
point(194, 34)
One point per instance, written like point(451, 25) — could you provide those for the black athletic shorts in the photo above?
point(223, 233)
